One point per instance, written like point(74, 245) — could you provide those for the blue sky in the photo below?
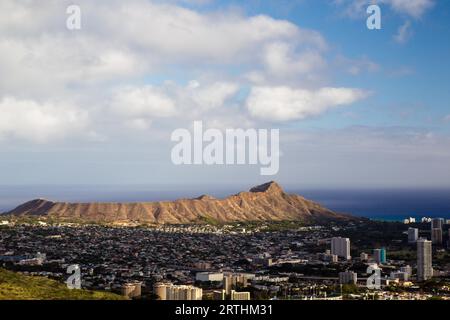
point(98, 105)
point(414, 74)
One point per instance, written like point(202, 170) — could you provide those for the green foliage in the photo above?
point(350, 289)
point(15, 286)
point(209, 220)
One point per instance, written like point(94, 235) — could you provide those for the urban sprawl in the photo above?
point(241, 261)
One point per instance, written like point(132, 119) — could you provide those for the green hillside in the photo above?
point(15, 286)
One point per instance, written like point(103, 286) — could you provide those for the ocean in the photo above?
point(380, 204)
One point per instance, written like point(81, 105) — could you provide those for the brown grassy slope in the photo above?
point(267, 202)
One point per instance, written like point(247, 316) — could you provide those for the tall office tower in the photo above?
point(437, 223)
point(379, 255)
point(341, 247)
point(436, 230)
point(383, 255)
point(424, 261)
point(413, 235)
point(436, 236)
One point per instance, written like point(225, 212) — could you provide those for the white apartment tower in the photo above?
point(341, 247)
point(424, 260)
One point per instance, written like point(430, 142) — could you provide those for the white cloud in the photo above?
point(357, 66)
point(207, 97)
point(285, 103)
point(404, 33)
point(282, 61)
point(412, 8)
point(182, 35)
point(147, 101)
point(139, 105)
point(122, 47)
point(130, 40)
point(39, 122)
point(48, 65)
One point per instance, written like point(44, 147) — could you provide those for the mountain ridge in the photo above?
point(266, 202)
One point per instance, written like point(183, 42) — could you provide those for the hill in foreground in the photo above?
point(267, 202)
point(16, 286)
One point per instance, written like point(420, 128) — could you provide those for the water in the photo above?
point(386, 204)
point(383, 204)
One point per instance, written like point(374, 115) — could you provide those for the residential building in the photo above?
point(379, 255)
point(209, 276)
point(436, 236)
point(413, 235)
point(424, 260)
point(132, 289)
point(183, 292)
point(341, 247)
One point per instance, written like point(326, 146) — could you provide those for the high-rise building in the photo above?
point(413, 235)
point(436, 230)
point(437, 223)
point(379, 255)
point(341, 247)
point(436, 236)
point(424, 260)
point(348, 277)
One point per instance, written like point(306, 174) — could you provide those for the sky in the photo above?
point(356, 108)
